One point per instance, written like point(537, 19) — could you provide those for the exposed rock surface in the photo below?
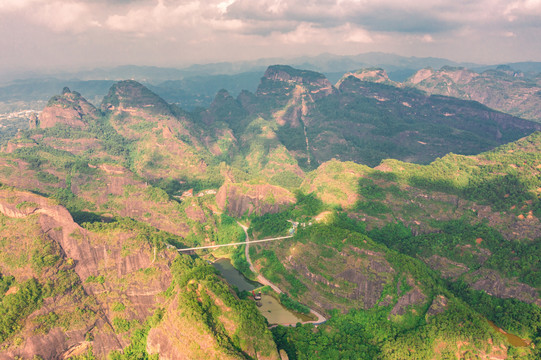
point(413, 297)
point(318, 85)
point(439, 305)
point(376, 75)
point(447, 268)
point(245, 198)
point(70, 109)
point(128, 94)
point(503, 88)
point(494, 285)
point(91, 256)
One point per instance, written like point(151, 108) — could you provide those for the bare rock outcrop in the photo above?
point(493, 284)
point(413, 297)
point(245, 198)
point(439, 305)
point(70, 109)
point(376, 75)
point(91, 255)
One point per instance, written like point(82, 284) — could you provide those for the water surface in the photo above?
point(276, 313)
point(270, 307)
point(513, 339)
point(233, 276)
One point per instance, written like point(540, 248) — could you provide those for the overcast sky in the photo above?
point(71, 34)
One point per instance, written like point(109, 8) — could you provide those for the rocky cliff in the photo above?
point(102, 274)
point(502, 89)
point(70, 109)
point(245, 198)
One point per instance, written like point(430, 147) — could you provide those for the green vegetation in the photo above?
point(138, 340)
point(240, 263)
point(16, 307)
point(367, 334)
point(270, 224)
point(515, 316)
point(513, 259)
point(95, 279)
point(385, 295)
point(293, 305)
point(197, 286)
point(45, 254)
point(274, 270)
point(5, 283)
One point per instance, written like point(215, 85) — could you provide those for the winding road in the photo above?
point(262, 280)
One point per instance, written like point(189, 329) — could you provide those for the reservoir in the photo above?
point(275, 313)
point(233, 276)
point(270, 307)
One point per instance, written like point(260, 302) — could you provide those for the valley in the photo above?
point(392, 221)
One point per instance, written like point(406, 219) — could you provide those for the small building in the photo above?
point(187, 193)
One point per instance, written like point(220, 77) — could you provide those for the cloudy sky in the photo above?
point(72, 34)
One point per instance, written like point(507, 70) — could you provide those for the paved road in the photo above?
point(262, 280)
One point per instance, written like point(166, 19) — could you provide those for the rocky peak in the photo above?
point(446, 75)
point(421, 75)
point(224, 108)
point(376, 75)
point(70, 108)
point(130, 94)
point(316, 83)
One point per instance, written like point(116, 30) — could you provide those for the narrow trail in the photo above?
point(262, 280)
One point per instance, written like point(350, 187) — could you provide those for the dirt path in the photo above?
point(262, 280)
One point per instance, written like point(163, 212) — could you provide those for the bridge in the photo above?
point(235, 244)
point(320, 319)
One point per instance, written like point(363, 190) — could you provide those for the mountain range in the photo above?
point(418, 221)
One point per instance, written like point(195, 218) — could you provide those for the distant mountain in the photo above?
point(502, 88)
point(195, 85)
point(532, 67)
point(367, 122)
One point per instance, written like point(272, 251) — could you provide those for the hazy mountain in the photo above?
point(502, 88)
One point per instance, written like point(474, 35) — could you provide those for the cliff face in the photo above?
point(240, 199)
point(81, 255)
point(70, 109)
point(129, 94)
point(279, 80)
point(376, 75)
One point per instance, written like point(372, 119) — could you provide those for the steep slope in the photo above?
point(77, 274)
point(163, 141)
point(74, 290)
point(380, 301)
point(366, 122)
point(205, 320)
point(473, 219)
point(70, 109)
point(502, 89)
point(409, 248)
point(376, 75)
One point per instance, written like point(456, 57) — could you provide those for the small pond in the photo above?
point(513, 339)
point(270, 307)
point(276, 313)
point(233, 276)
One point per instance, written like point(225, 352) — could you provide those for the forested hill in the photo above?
point(367, 122)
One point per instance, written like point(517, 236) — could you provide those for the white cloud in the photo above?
point(65, 16)
point(57, 15)
point(232, 29)
point(427, 38)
